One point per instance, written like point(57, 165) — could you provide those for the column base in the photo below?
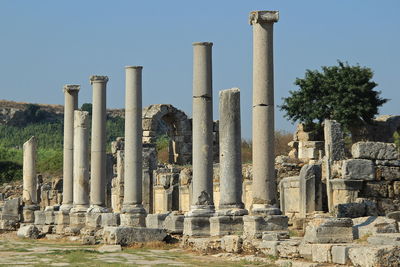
point(222, 225)
point(79, 208)
point(133, 209)
point(255, 225)
point(28, 213)
point(97, 209)
point(66, 207)
point(197, 220)
point(265, 210)
point(133, 220)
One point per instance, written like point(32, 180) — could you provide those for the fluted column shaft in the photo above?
point(70, 104)
point(133, 141)
point(98, 145)
point(264, 181)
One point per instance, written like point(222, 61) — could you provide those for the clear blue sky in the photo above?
point(46, 44)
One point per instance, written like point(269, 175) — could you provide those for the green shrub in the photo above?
point(10, 171)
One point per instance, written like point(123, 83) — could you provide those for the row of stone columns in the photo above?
point(231, 215)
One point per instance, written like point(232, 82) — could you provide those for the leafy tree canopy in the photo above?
point(344, 93)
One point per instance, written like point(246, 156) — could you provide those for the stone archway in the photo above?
point(165, 119)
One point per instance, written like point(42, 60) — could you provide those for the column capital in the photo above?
point(98, 79)
point(134, 67)
point(69, 88)
point(203, 43)
point(263, 17)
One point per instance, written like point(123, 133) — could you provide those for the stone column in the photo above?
point(264, 183)
point(70, 104)
point(264, 208)
point(229, 219)
point(29, 193)
point(202, 206)
point(98, 147)
point(81, 161)
point(134, 213)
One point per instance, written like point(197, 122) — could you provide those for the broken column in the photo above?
point(229, 217)
point(98, 146)
point(29, 194)
point(70, 104)
point(133, 212)
point(202, 207)
point(81, 161)
point(264, 203)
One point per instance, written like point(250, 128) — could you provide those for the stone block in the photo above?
point(173, 223)
point(310, 198)
point(358, 169)
point(9, 225)
point(125, 235)
point(45, 229)
point(49, 217)
point(232, 243)
point(321, 253)
point(28, 215)
point(372, 256)
point(349, 210)
point(61, 218)
point(133, 220)
point(375, 189)
point(385, 239)
point(329, 230)
point(387, 173)
point(288, 249)
point(196, 226)
point(93, 219)
point(275, 235)
point(340, 254)
point(28, 231)
point(370, 225)
point(254, 226)
point(305, 250)
point(334, 143)
point(110, 219)
point(155, 220)
point(374, 150)
point(40, 217)
point(395, 215)
point(88, 240)
point(77, 220)
point(10, 209)
point(109, 248)
point(269, 248)
point(226, 225)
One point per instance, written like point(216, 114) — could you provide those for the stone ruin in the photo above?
point(318, 206)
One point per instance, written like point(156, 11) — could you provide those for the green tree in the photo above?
point(344, 93)
point(87, 107)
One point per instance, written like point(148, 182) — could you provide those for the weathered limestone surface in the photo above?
point(264, 185)
point(371, 256)
point(374, 150)
point(370, 225)
point(310, 189)
point(289, 195)
point(334, 143)
point(28, 231)
point(98, 146)
point(70, 104)
point(358, 169)
point(81, 162)
point(29, 195)
point(126, 236)
point(133, 142)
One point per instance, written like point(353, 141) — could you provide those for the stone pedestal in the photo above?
point(202, 206)
point(62, 221)
point(70, 104)
point(98, 147)
point(264, 181)
point(132, 206)
point(255, 226)
point(133, 219)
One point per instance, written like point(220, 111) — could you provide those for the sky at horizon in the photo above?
point(46, 44)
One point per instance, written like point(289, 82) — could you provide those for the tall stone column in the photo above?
point(229, 217)
point(264, 181)
point(134, 213)
point(202, 206)
point(98, 147)
point(264, 209)
point(81, 161)
point(70, 104)
point(29, 193)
